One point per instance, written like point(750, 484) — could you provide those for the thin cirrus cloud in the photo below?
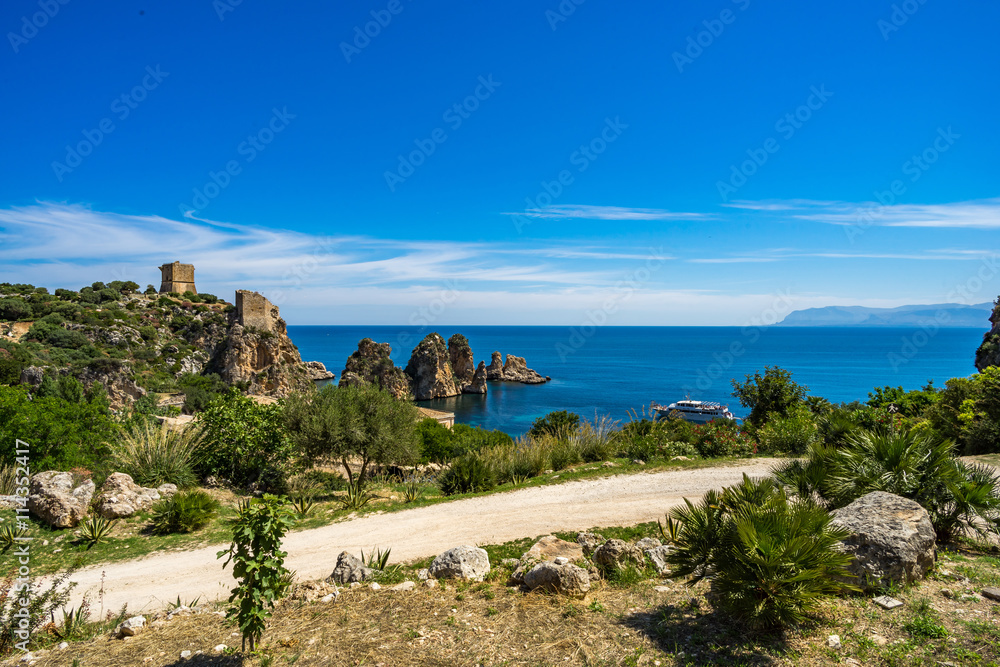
point(587, 212)
point(66, 243)
point(974, 214)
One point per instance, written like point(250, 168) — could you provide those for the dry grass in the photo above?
point(490, 624)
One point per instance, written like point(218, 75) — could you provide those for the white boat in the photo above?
point(700, 412)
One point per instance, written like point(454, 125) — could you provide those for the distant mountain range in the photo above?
point(943, 315)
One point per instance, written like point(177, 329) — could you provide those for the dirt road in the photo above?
point(150, 583)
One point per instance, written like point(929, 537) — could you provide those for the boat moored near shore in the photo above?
point(700, 412)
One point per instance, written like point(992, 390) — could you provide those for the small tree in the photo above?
point(353, 424)
point(258, 564)
point(772, 392)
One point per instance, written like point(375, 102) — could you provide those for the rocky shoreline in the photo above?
point(436, 369)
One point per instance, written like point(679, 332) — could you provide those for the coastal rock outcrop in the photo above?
point(468, 378)
point(266, 360)
point(988, 353)
point(54, 499)
point(892, 539)
point(515, 369)
point(494, 372)
point(371, 363)
point(478, 383)
point(430, 370)
point(316, 370)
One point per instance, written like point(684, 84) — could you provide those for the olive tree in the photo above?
point(357, 426)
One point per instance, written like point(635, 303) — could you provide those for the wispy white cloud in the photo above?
point(975, 214)
point(584, 211)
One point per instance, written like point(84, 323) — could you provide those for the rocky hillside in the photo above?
point(436, 369)
point(134, 343)
point(988, 353)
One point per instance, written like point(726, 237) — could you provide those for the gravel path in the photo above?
point(619, 500)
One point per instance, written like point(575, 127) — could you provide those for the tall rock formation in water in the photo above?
point(463, 366)
point(372, 364)
point(430, 370)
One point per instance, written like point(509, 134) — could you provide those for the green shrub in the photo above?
point(774, 392)
point(771, 560)
point(563, 454)
point(245, 442)
point(596, 440)
point(10, 371)
point(722, 437)
point(153, 455)
point(323, 481)
point(960, 497)
point(200, 390)
point(435, 441)
point(184, 512)
point(792, 434)
point(467, 474)
point(14, 308)
point(555, 423)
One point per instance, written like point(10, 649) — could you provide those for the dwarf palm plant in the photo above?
point(771, 559)
point(155, 454)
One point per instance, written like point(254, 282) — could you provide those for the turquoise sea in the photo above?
point(616, 370)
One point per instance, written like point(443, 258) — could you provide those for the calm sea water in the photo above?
point(616, 370)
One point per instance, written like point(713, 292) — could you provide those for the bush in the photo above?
point(200, 390)
point(10, 371)
point(153, 455)
point(14, 309)
point(596, 441)
point(435, 441)
point(467, 474)
point(323, 481)
point(245, 442)
point(184, 512)
point(722, 437)
point(555, 423)
point(960, 497)
point(771, 559)
point(792, 434)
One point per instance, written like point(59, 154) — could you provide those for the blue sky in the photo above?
point(519, 162)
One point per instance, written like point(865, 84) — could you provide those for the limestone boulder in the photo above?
point(616, 554)
point(53, 498)
point(891, 538)
point(430, 370)
point(658, 556)
point(118, 381)
point(121, 497)
point(551, 547)
point(464, 562)
point(565, 579)
point(32, 376)
point(350, 569)
point(589, 542)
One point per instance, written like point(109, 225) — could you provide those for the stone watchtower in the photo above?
point(177, 277)
point(253, 310)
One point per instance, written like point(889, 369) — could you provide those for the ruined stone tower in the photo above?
point(177, 277)
point(253, 310)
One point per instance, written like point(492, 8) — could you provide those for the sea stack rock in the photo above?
point(460, 355)
point(494, 372)
point(430, 370)
point(372, 364)
point(988, 353)
point(478, 383)
point(516, 370)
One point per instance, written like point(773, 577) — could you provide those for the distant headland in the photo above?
point(942, 315)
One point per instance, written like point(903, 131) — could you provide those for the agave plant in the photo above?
point(376, 559)
point(95, 530)
point(303, 505)
point(9, 535)
point(356, 496)
point(412, 491)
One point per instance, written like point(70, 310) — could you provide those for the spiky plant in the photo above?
point(467, 474)
point(95, 529)
point(960, 497)
point(184, 512)
point(412, 491)
point(155, 454)
point(8, 535)
point(771, 560)
point(356, 496)
point(8, 480)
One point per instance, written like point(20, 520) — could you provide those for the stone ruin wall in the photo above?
point(253, 310)
point(177, 277)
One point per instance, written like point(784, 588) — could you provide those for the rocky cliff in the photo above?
point(266, 362)
point(372, 364)
point(515, 369)
point(468, 378)
point(988, 353)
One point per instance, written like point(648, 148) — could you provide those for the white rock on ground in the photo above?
point(464, 562)
point(53, 498)
point(565, 579)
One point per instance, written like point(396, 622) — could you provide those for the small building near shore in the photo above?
point(446, 419)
